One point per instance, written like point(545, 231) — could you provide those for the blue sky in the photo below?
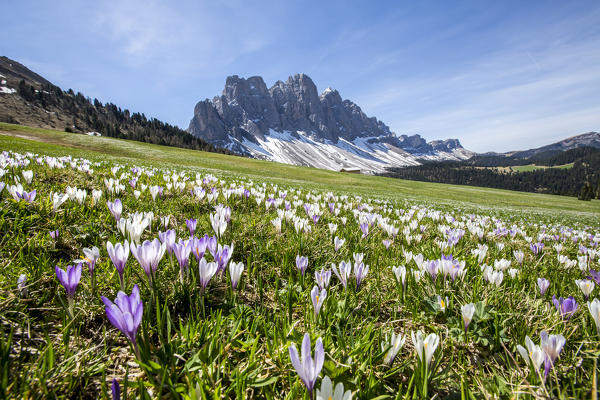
point(497, 75)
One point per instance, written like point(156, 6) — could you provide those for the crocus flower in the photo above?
point(222, 257)
point(54, 234)
point(344, 272)
point(115, 208)
point(536, 247)
point(22, 285)
point(191, 225)
point(566, 307)
point(218, 223)
point(29, 197)
point(182, 253)
point(126, 313)
point(327, 391)
point(400, 273)
point(199, 246)
point(360, 272)
point(543, 285)
point(425, 347)
point(168, 238)
point(118, 255)
point(338, 243)
point(364, 227)
point(235, 273)
point(318, 298)
point(532, 354)
point(387, 243)
point(207, 271)
point(586, 287)
point(552, 346)
point(211, 245)
point(467, 312)
point(115, 389)
point(301, 263)
point(594, 308)
point(396, 343)
point(149, 255)
point(322, 277)
point(91, 257)
point(308, 369)
point(69, 278)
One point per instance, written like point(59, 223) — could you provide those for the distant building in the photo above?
point(351, 170)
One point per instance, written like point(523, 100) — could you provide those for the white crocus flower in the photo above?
point(425, 347)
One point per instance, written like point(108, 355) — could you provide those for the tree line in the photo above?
point(581, 180)
point(109, 120)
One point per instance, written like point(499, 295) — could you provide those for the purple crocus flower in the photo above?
point(552, 345)
point(364, 227)
point(318, 298)
point(132, 182)
point(149, 255)
point(28, 197)
point(315, 218)
point(54, 234)
point(211, 245)
point(432, 267)
point(345, 269)
point(115, 208)
point(301, 263)
point(115, 389)
point(69, 278)
point(566, 307)
point(360, 271)
point(168, 238)
point(223, 256)
point(125, 314)
point(387, 243)
point(322, 277)
point(198, 246)
point(191, 225)
point(119, 253)
point(543, 285)
point(182, 252)
point(536, 247)
point(308, 369)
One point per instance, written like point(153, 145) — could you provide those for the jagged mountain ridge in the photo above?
point(292, 123)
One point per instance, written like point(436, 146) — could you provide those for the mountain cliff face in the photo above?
point(292, 123)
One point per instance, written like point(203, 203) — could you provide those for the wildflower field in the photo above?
point(130, 276)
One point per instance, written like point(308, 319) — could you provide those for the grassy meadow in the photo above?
point(192, 275)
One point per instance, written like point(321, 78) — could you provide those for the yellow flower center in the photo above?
point(317, 299)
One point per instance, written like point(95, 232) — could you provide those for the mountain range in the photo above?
point(294, 124)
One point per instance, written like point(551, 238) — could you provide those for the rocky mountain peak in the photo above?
point(247, 114)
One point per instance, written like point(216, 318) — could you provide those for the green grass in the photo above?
point(21, 138)
point(533, 167)
point(234, 344)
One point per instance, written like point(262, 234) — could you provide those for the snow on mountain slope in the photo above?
point(299, 148)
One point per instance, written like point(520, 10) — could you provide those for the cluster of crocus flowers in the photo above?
point(307, 367)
